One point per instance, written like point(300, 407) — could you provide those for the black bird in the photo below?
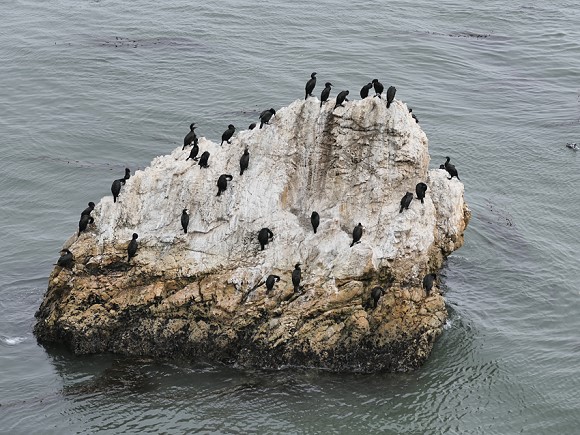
point(189, 137)
point(244, 161)
point(364, 92)
point(264, 237)
point(265, 117)
point(88, 210)
point(270, 281)
point(83, 222)
point(193, 153)
point(406, 201)
point(420, 190)
point(252, 126)
point(222, 183)
point(376, 294)
point(428, 282)
point(391, 95)
point(315, 220)
point(325, 93)
point(203, 160)
point(228, 134)
point(296, 275)
point(310, 85)
point(116, 188)
point(356, 234)
point(341, 98)
point(451, 169)
point(379, 88)
point(184, 220)
point(127, 174)
point(65, 259)
point(413, 115)
point(132, 248)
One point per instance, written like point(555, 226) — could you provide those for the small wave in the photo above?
point(12, 341)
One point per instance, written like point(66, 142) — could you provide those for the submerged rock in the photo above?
point(201, 295)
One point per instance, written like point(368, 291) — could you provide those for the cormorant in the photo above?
point(252, 126)
point(451, 169)
point(325, 93)
point(222, 183)
point(376, 294)
point(406, 201)
point(132, 248)
point(265, 117)
point(89, 209)
point(420, 190)
point(270, 281)
point(228, 134)
point(189, 137)
point(357, 234)
point(184, 220)
point(83, 222)
point(315, 220)
point(296, 275)
point(428, 282)
point(244, 161)
point(264, 237)
point(340, 98)
point(364, 92)
point(203, 160)
point(378, 87)
point(391, 95)
point(310, 85)
point(193, 153)
point(65, 259)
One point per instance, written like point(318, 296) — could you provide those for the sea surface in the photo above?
point(90, 87)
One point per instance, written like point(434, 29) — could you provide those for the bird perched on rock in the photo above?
point(88, 210)
point(189, 137)
point(391, 95)
point(65, 259)
point(270, 281)
point(132, 248)
point(203, 160)
point(413, 115)
point(364, 92)
point(420, 190)
point(315, 220)
point(357, 234)
point(83, 222)
point(222, 183)
point(379, 88)
point(264, 237)
point(428, 282)
point(184, 220)
point(341, 98)
point(325, 93)
point(227, 135)
point(376, 294)
point(451, 169)
point(193, 153)
point(244, 161)
point(296, 276)
point(406, 201)
point(265, 117)
point(252, 126)
point(116, 186)
point(310, 85)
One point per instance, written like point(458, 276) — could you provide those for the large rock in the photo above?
point(201, 295)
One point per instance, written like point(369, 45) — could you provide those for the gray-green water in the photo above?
point(89, 87)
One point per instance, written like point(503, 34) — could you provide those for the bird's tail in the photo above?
point(306, 95)
point(388, 104)
point(219, 192)
point(241, 172)
point(422, 201)
point(114, 199)
point(261, 124)
point(185, 230)
point(314, 230)
point(401, 211)
point(352, 244)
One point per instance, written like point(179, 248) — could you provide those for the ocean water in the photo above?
point(89, 87)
